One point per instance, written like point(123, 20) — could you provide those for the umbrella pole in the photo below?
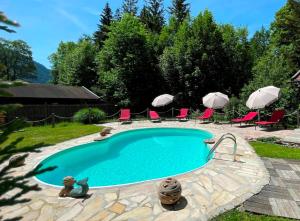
point(258, 114)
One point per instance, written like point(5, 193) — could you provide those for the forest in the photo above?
point(136, 54)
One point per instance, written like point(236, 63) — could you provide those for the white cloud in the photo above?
point(72, 18)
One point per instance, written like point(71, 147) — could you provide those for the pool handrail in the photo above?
point(223, 137)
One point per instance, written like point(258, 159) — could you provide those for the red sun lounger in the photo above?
point(183, 113)
point(207, 114)
point(276, 117)
point(247, 118)
point(154, 116)
point(125, 115)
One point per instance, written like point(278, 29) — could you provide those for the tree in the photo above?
point(272, 69)
point(152, 15)
point(144, 15)
point(285, 31)
point(16, 60)
point(130, 7)
point(125, 65)
point(7, 22)
point(74, 63)
point(238, 59)
point(281, 59)
point(174, 61)
point(259, 43)
point(103, 28)
point(180, 10)
point(196, 59)
point(118, 15)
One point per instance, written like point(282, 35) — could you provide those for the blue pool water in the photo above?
point(130, 157)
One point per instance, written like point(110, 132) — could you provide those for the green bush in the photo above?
point(89, 115)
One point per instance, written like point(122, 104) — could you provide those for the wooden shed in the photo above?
point(41, 100)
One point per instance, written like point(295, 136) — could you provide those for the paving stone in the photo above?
point(137, 213)
point(32, 215)
point(138, 199)
point(46, 213)
point(117, 208)
point(181, 215)
point(37, 204)
point(288, 174)
point(17, 213)
point(110, 196)
point(295, 194)
point(100, 216)
point(74, 211)
point(95, 205)
point(285, 208)
point(281, 166)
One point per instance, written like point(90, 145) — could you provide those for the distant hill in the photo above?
point(43, 74)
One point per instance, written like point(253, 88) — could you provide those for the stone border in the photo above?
point(218, 186)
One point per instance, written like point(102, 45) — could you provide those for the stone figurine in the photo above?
point(68, 186)
point(82, 190)
point(70, 191)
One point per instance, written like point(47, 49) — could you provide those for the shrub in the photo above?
point(89, 115)
point(268, 139)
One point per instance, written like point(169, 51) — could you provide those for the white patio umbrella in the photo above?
point(215, 100)
point(162, 100)
point(263, 97)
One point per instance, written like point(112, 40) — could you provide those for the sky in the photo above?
point(45, 23)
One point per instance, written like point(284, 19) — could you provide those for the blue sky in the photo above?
point(44, 23)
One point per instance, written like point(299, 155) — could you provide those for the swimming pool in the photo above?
point(130, 157)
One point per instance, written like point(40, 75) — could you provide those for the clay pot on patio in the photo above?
point(169, 191)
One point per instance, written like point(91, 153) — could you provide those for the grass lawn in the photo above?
point(46, 135)
point(235, 215)
point(275, 150)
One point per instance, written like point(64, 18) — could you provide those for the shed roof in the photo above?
point(50, 91)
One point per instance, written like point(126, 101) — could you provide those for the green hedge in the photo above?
point(89, 115)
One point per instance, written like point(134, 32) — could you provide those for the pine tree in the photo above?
point(118, 15)
point(130, 7)
point(152, 15)
point(144, 15)
point(180, 10)
point(103, 28)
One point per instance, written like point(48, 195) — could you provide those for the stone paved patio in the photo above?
point(221, 185)
point(281, 197)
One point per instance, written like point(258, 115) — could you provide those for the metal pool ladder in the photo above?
point(224, 137)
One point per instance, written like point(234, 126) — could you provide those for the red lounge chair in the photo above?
point(183, 113)
point(276, 117)
point(247, 118)
point(207, 114)
point(154, 116)
point(125, 115)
